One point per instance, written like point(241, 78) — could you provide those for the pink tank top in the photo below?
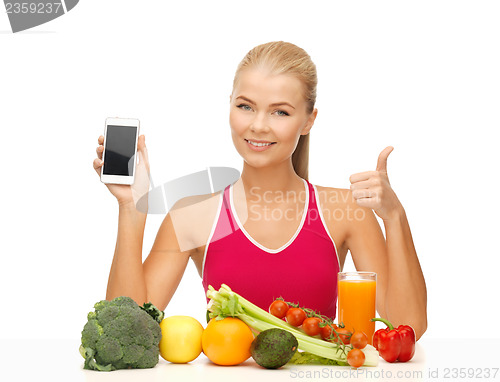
point(303, 271)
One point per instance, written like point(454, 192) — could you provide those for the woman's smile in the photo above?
point(259, 145)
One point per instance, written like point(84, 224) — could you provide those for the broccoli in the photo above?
point(120, 334)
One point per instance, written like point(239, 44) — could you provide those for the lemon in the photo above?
point(181, 339)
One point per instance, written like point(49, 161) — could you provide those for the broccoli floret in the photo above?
point(143, 334)
point(124, 301)
point(120, 335)
point(100, 305)
point(155, 331)
point(121, 328)
point(108, 349)
point(133, 353)
point(107, 315)
point(91, 333)
point(149, 358)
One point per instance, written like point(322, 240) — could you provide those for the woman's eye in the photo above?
point(247, 107)
point(243, 106)
point(282, 113)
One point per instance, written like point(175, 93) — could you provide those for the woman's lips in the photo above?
point(259, 145)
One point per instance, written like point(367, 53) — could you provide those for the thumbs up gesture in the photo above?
point(372, 189)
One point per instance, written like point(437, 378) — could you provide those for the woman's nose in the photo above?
point(260, 123)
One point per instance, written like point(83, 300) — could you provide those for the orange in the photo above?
point(227, 341)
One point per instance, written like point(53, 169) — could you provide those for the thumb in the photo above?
point(141, 142)
point(382, 159)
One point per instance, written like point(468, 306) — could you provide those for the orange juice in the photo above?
point(357, 302)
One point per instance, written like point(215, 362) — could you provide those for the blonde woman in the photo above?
point(272, 233)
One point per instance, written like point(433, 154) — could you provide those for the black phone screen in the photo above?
point(120, 150)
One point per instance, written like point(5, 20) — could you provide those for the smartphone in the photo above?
point(120, 150)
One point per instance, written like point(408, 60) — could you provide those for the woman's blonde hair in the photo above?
point(279, 57)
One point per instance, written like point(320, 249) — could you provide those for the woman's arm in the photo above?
point(403, 289)
point(406, 296)
point(182, 235)
point(126, 277)
point(157, 279)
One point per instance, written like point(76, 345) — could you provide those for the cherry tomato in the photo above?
point(295, 316)
point(355, 358)
point(359, 340)
point(326, 332)
point(311, 326)
point(344, 335)
point(278, 308)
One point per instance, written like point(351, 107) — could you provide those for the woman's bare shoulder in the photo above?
point(193, 217)
point(331, 196)
point(197, 203)
point(339, 206)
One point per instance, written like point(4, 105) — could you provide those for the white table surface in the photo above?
point(435, 360)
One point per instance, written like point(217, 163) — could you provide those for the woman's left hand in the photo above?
point(372, 189)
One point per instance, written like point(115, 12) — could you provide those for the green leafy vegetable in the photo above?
point(303, 358)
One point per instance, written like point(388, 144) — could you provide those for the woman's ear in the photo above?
point(310, 122)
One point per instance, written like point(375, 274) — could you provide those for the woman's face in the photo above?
point(268, 114)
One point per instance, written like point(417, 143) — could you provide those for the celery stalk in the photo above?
point(226, 303)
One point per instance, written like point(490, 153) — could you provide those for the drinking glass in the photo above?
point(356, 306)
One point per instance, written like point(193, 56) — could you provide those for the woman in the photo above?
point(272, 233)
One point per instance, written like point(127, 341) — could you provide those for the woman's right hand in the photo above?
point(126, 194)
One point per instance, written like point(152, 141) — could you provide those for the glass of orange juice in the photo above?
point(357, 292)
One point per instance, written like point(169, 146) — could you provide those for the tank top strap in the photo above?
point(312, 196)
point(315, 220)
point(225, 223)
point(313, 213)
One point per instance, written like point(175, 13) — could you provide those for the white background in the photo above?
point(421, 76)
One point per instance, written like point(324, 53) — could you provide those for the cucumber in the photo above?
point(273, 348)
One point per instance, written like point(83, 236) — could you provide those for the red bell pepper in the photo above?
point(394, 344)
